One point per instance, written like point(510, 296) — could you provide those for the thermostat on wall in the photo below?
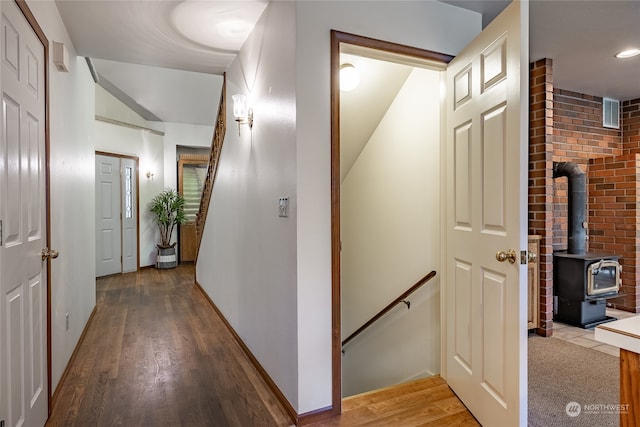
point(60, 56)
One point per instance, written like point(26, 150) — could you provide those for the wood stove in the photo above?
point(582, 281)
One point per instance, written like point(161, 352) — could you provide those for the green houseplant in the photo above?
point(168, 210)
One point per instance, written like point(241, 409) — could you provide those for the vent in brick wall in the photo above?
point(610, 113)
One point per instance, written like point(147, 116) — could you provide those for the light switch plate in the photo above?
point(283, 207)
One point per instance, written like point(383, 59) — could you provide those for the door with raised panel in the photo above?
point(23, 271)
point(116, 214)
point(108, 221)
point(486, 221)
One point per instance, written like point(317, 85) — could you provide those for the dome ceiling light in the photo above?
point(628, 53)
point(349, 77)
point(222, 25)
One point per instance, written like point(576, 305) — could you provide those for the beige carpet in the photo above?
point(560, 373)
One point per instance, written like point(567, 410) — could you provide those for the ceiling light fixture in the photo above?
point(628, 53)
point(222, 25)
point(349, 78)
point(242, 113)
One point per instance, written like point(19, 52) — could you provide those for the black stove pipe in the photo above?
point(577, 204)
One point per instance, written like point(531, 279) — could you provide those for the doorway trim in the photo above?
point(136, 160)
point(337, 40)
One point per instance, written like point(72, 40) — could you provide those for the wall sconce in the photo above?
point(149, 175)
point(243, 115)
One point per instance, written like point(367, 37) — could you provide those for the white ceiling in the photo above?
point(581, 36)
point(380, 82)
point(162, 94)
point(164, 58)
point(201, 36)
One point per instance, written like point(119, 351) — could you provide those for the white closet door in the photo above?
point(23, 278)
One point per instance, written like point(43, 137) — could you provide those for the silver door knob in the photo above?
point(509, 255)
point(49, 253)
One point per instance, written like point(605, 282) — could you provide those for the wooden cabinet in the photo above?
point(533, 283)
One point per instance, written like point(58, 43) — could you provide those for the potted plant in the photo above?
point(168, 209)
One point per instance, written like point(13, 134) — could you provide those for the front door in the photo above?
point(116, 214)
point(108, 220)
point(485, 193)
point(23, 234)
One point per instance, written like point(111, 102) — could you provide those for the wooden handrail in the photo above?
point(214, 158)
point(385, 310)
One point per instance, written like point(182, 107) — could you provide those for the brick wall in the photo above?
point(578, 136)
point(630, 123)
point(541, 182)
point(613, 191)
point(567, 126)
point(611, 159)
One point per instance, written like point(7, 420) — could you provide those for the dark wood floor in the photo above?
point(157, 354)
point(425, 402)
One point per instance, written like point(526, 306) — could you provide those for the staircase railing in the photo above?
point(214, 158)
point(401, 298)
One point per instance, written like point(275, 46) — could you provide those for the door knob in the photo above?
point(49, 253)
point(509, 255)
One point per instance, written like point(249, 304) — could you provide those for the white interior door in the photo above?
point(486, 212)
point(23, 284)
point(129, 215)
point(108, 224)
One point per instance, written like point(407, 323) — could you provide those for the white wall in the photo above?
point(271, 277)
point(390, 239)
point(109, 106)
point(182, 134)
point(148, 147)
point(429, 25)
point(156, 151)
point(247, 261)
point(72, 181)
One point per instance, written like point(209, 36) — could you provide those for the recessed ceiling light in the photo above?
point(628, 53)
